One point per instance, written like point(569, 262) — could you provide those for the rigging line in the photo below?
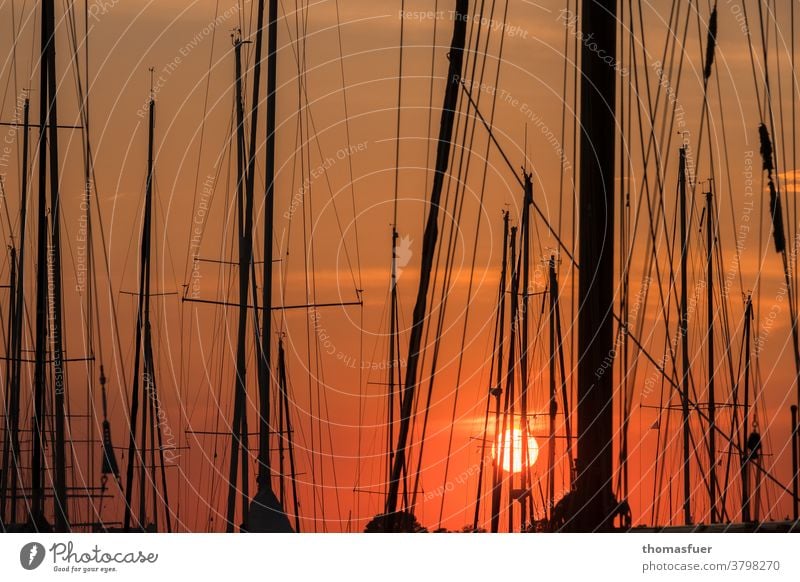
point(696, 408)
point(492, 137)
point(651, 141)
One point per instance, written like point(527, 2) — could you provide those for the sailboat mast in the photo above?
point(284, 403)
point(594, 497)
point(392, 357)
point(684, 326)
point(141, 319)
point(9, 421)
point(18, 308)
point(553, 407)
point(430, 238)
point(269, 218)
point(48, 273)
point(712, 423)
point(497, 390)
point(748, 318)
point(507, 434)
point(245, 214)
point(525, 253)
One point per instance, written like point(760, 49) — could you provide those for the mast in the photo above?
point(18, 298)
point(392, 356)
point(497, 390)
point(430, 238)
point(553, 407)
point(269, 211)
point(525, 256)
point(289, 434)
point(684, 327)
point(9, 420)
point(507, 447)
point(795, 470)
point(594, 497)
point(48, 274)
point(748, 318)
point(142, 322)
point(712, 424)
point(245, 212)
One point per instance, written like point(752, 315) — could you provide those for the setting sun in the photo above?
point(516, 445)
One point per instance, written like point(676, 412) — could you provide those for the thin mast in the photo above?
point(507, 435)
point(392, 356)
point(525, 256)
point(18, 310)
point(245, 212)
point(748, 318)
point(141, 319)
point(269, 212)
point(283, 385)
point(684, 327)
point(553, 408)
point(497, 390)
point(712, 425)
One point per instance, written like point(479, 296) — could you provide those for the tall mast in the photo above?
point(429, 242)
point(712, 424)
point(269, 212)
point(507, 447)
point(553, 407)
point(18, 299)
point(748, 318)
point(245, 214)
point(48, 274)
point(9, 420)
point(594, 497)
point(497, 390)
point(390, 414)
point(684, 327)
point(284, 404)
point(525, 255)
point(142, 322)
